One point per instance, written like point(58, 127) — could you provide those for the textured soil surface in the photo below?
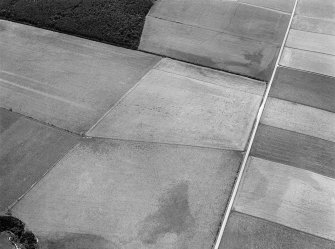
point(118, 22)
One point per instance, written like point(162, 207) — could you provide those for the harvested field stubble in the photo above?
point(119, 22)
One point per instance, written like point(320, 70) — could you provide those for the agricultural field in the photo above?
point(117, 22)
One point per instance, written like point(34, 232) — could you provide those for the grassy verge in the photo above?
point(118, 22)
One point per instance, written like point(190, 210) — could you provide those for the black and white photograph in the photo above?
point(167, 124)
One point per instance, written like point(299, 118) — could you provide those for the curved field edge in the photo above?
point(117, 22)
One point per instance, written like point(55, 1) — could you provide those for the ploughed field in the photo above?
point(118, 22)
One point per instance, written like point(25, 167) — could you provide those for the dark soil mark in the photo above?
point(254, 58)
point(254, 64)
point(119, 22)
point(18, 235)
point(173, 216)
point(77, 241)
point(196, 59)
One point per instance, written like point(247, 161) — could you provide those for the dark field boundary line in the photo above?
point(243, 165)
point(115, 22)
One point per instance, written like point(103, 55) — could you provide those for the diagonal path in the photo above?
point(159, 159)
point(161, 176)
point(288, 183)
